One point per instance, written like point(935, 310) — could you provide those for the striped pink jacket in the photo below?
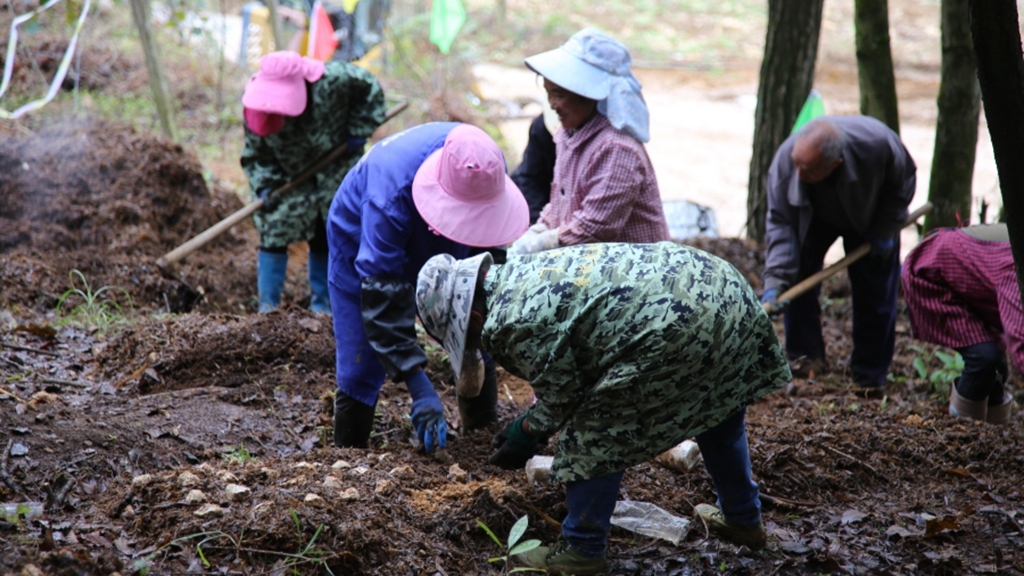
point(604, 189)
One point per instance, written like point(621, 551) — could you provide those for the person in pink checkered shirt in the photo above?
point(604, 187)
point(961, 291)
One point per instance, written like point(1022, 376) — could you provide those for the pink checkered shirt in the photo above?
point(962, 291)
point(604, 189)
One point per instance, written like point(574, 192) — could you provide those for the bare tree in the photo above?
point(956, 131)
point(994, 28)
point(157, 81)
point(874, 62)
point(787, 75)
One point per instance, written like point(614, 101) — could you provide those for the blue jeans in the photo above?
point(727, 459)
point(875, 284)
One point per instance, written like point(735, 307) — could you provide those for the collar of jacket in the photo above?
point(590, 128)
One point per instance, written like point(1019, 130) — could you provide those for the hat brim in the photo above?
point(571, 73)
point(465, 274)
point(477, 224)
point(275, 96)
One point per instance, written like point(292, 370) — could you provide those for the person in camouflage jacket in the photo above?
point(297, 110)
point(630, 349)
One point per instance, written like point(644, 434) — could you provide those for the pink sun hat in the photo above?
point(280, 85)
point(463, 193)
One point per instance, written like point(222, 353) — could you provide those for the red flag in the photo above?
point(322, 42)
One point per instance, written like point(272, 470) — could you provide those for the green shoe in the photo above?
point(562, 559)
point(753, 537)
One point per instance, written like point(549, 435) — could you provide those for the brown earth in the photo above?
point(111, 425)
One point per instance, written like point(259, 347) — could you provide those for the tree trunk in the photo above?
point(157, 82)
point(787, 75)
point(874, 63)
point(275, 25)
point(956, 131)
point(1001, 75)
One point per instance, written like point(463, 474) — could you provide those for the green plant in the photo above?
point(309, 551)
point(941, 378)
point(238, 454)
point(513, 547)
point(94, 309)
point(824, 408)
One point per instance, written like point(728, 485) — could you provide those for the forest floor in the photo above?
point(152, 423)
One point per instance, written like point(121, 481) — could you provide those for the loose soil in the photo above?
point(134, 433)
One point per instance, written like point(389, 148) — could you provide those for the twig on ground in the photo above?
point(554, 523)
point(29, 349)
point(852, 459)
point(64, 382)
point(785, 502)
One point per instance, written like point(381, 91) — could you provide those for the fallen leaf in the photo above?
point(900, 531)
point(852, 516)
point(98, 539)
point(957, 472)
point(939, 525)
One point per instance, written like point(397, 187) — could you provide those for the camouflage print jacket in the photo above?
point(630, 348)
point(345, 103)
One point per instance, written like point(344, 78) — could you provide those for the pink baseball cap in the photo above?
point(280, 85)
point(463, 193)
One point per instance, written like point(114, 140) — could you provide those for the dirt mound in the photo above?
point(107, 201)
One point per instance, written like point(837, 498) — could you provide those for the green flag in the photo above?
point(446, 18)
point(813, 107)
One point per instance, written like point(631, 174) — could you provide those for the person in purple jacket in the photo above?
point(848, 177)
point(438, 188)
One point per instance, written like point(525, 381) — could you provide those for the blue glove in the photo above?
point(270, 201)
point(881, 247)
point(355, 145)
point(427, 412)
point(771, 298)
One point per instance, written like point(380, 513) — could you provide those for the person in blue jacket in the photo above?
point(437, 188)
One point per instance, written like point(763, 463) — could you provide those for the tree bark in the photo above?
point(874, 62)
point(275, 25)
point(956, 130)
point(157, 81)
point(787, 75)
point(994, 29)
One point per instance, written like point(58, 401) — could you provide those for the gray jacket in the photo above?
point(874, 184)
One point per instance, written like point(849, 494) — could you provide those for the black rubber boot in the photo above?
point(353, 422)
point(481, 411)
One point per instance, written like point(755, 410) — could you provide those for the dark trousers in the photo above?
point(984, 373)
point(875, 282)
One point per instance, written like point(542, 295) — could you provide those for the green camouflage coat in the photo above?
point(630, 348)
point(346, 102)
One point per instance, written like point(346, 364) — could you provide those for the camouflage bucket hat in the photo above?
point(444, 296)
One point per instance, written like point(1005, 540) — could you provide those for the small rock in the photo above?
point(236, 492)
point(383, 456)
point(403, 471)
point(32, 570)
point(384, 487)
point(141, 481)
point(457, 474)
point(332, 483)
point(304, 465)
point(195, 496)
point(19, 449)
point(360, 470)
point(341, 465)
point(270, 473)
point(226, 476)
point(538, 469)
point(129, 512)
point(350, 495)
point(314, 500)
point(188, 479)
point(209, 510)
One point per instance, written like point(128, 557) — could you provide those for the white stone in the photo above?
point(142, 480)
point(457, 474)
point(195, 497)
point(403, 471)
point(682, 458)
point(188, 479)
point(341, 465)
point(236, 492)
point(384, 487)
point(209, 510)
point(350, 495)
point(359, 471)
point(226, 476)
point(538, 469)
point(332, 483)
point(314, 500)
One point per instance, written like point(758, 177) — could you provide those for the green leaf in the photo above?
point(947, 359)
point(524, 546)
point(517, 531)
point(481, 524)
point(498, 559)
point(525, 569)
point(922, 370)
